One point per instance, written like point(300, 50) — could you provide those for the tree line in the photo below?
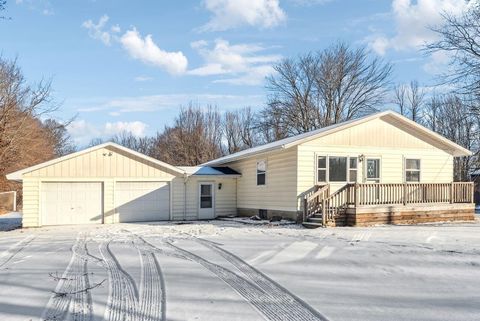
point(306, 92)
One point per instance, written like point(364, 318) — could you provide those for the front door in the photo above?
point(206, 201)
point(372, 170)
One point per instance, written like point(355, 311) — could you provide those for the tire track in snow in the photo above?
point(74, 279)
point(16, 248)
point(272, 307)
point(152, 300)
point(293, 308)
point(121, 304)
point(125, 301)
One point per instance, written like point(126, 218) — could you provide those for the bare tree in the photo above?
point(23, 139)
point(195, 138)
point(324, 88)
point(59, 137)
point(410, 100)
point(3, 6)
point(142, 145)
point(450, 115)
point(239, 130)
point(460, 37)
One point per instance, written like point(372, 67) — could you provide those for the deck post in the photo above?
point(357, 196)
point(324, 213)
point(305, 207)
point(472, 192)
point(404, 193)
point(451, 193)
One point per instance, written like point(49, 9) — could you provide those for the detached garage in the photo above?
point(109, 183)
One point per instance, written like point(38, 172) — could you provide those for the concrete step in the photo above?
point(315, 219)
point(311, 225)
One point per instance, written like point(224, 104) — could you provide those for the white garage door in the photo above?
point(142, 201)
point(71, 203)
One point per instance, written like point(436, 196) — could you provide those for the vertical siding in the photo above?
point(31, 202)
point(99, 167)
point(109, 202)
point(98, 163)
point(280, 191)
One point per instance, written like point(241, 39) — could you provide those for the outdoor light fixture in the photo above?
point(361, 158)
point(108, 154)
point(219, 185)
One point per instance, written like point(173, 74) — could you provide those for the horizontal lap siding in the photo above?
point(178, 201)
point(279, 193)
point(225, 198)
point(376, 138)
point(31, 202)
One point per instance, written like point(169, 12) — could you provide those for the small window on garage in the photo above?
point(261, 172)
point(412, 170)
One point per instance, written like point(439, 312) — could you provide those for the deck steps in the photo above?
point(316, 221)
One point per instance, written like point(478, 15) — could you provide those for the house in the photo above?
point(382, 168)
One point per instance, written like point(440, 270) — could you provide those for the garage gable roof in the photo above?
point(455, 149)
point(17, 176)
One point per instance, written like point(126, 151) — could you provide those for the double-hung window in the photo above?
point(261, 172)
point(412, 170)
point(337, 169)
point(353, 169)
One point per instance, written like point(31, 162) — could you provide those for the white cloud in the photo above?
point(412, 20)
point(228, 14)
point(83, 132)
point(42, 6)
point(136, 128)
point(241, 63)
point(145, 50)
point(142, 78)
point(155, 103)
point(99, 31)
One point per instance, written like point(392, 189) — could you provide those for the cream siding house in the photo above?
point(384, 148)
point(381, 168)
point(110, 184)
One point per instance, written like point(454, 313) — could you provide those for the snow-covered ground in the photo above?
point(224, 270)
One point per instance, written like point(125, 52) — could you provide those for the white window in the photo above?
point(337, 169)
point(352, 169)
point(412, 170)
point(322, 169)
point(261, 172)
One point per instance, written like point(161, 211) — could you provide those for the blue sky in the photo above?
point(130, 65)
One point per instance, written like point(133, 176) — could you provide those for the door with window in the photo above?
point(206, 201)
point(372, 169)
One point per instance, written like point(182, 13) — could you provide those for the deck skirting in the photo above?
point(409, 214)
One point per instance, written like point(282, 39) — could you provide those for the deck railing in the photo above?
point(313, 201)
point(412, 193)
point(354, 195)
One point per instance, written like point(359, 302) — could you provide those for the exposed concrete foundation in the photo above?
point(289, 215)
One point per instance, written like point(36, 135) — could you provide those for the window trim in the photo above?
point(405, 158)
point(264, 172)
point(327, 168)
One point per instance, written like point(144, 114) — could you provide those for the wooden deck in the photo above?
point(408, 203)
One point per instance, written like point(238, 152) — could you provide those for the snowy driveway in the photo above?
point(229, 271)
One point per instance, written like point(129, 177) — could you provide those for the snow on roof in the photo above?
point(298, 139)
point(207, 170)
